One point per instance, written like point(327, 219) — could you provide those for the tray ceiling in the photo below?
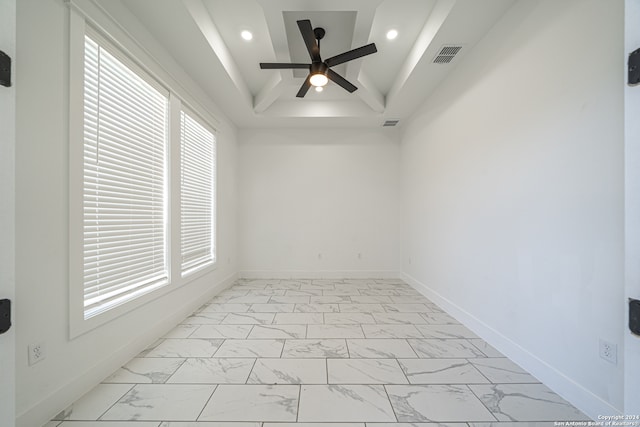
point(203, 36)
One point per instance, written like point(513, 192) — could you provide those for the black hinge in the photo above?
point(5, 315)
point(634, 316)
point(5, 69)
point(634, 67)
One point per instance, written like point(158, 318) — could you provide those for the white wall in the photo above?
point(319, 191)
point(632, 209)
point(513, 194)
point(73, 366)
point(7, 212)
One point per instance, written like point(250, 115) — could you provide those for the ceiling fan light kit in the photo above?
point(318, 74)
point(320, 71)
point(318, 80)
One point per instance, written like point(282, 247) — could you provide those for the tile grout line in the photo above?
point(480, 400)
point(174, 372)
point(207, 402)
point(299, 398)
point(114, 403)
point(479, 371)
point(384, 387)
point(403, 371)
point(255, 361)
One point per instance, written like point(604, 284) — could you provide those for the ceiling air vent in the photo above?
point(446, 54)
point(390, 123)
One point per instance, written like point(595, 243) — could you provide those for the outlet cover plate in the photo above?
point(608, 351)
point(36, 353)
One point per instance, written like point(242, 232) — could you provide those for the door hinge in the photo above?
point(634, 68)
point(634, 316)
point(5, 315)
point(5, 69)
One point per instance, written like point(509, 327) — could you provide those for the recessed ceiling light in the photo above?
point(392, 34)
point(319, 88)
point(246, 35)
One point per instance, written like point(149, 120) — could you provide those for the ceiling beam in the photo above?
point(278, 33)
point(317, 5)
point(434, 23)
point(319, 109)
point(370, 94)
point(268, 94)
point(203, 20)
point(361, 34)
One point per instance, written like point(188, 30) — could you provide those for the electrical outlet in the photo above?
point(319, 255)
point(609, 352)
point(36, 353)
point(359, 255)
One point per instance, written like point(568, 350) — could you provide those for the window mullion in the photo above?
point(175, 108)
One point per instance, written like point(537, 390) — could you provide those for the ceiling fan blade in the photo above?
point(341, 81)
point(309, 39)
point(305, 87)
point(282, 66)
point(351, 55)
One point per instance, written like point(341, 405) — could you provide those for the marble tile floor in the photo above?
point(319, 353)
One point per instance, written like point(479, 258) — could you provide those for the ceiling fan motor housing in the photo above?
point(319, 68)
point(319, 33)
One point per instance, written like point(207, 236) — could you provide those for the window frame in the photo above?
point(80, 24)
point(193, 115)
point(160, 244)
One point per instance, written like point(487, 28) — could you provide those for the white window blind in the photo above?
point(124, 186)
point(197, 182)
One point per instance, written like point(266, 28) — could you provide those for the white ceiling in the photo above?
point(203, 36)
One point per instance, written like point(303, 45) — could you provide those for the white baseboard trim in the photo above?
point(328, 274)
point(50, 406)
point(580, 397)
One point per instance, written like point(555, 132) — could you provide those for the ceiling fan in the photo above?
point(320, 71)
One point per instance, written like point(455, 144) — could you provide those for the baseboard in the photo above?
point(583, 399)
point(43, 411)
point(295, 274)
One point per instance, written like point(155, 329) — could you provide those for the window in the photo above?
point(142, 178)
point(124, 181)
point(197, 191)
